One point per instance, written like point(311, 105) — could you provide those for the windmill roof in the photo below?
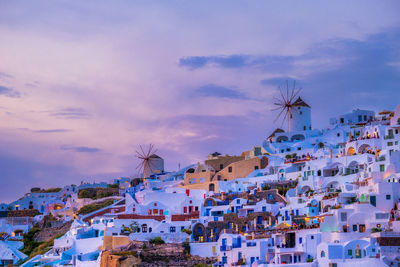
point(277, 130)
point(300, 103)
point(155, 156)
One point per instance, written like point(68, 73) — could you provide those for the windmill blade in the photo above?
point(297, 93)
point(149, 150)
point(139, 166)
point(278, 108)
point(277, 100)
point(280, 113)
point(287, 90)
point(284, 118)
point(278, 104)
point(141, 148)
point(283, 97)
point(293, 90)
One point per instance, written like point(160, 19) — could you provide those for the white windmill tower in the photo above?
point(296, 112)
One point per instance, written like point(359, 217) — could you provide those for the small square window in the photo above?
point(388, 197)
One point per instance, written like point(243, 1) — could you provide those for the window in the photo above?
point(230, 169)
point(390, 143)
point(300, 240)
point(382, 167)
point(349, 252)
point(354, 227)
point(312, 237)
point(359, 118)
point(322, 254)
point(388, 197)
point(144, 228)
point(382, 216)
point(299, 148)
point(255, 167)
point(172, 229)
point(343, 216)
point(192, 180)
point(221, 166)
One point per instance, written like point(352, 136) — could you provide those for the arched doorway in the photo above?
point(351, 151)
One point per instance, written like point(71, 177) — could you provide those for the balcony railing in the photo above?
point(225, 248)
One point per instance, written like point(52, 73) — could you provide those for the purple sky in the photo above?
point(82, 83)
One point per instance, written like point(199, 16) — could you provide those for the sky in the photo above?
point(83, 83)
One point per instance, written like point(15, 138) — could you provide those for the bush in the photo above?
point(187, 231)
point(51, 190)
point(310, 260)
point(376, 230)
point(186, 247)
point(93, 207)
point(126, 253)
point(84, 194)
point(29, 243)
point(113, 186)
point(157, 241)
point(97, 193)
point(266, 187)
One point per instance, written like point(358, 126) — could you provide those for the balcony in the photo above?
point(225, 248)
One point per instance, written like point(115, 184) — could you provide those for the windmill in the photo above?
point(285, 102)
point(146, 165)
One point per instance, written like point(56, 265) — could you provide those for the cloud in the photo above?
point(45, 130)
point(83, 149)
point(237, 61)
point(71, 113)
point(9, 92)
point(5, 75)
point(213, 90)
point(52, 131)
point(277, 81)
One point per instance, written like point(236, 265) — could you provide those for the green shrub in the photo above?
point(186, 247)
point(187, 231)
point(84, 194)
point(376, 230)
point(157, 241)
point(93, 207)
point(126, 253)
